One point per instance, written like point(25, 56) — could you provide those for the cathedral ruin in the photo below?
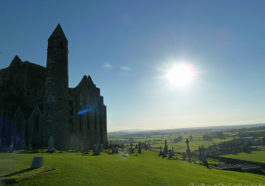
point(36, 103)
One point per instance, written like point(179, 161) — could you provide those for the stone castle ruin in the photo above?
point(36, 103)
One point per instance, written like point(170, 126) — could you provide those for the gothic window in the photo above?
point(81, 123)
point(36, 123)
point(19, 124)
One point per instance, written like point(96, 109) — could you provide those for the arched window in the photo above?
point(19, 124)
point(36, 123)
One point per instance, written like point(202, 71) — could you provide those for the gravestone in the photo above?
point(131, 150)
point(203, 156)
point(11, 146)
point(115, 150)
point(51, 145)
point(139, 148)
point(96, 149)
point(169, 154)
point(36, 162)
point(101, 147)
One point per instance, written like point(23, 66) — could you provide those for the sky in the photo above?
point(127, 47)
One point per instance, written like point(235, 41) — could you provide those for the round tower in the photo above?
point(56, 90)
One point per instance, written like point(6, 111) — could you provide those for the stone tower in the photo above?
point(56, 90)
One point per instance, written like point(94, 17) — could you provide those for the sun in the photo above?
point(180, 74)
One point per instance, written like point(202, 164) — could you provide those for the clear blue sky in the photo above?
point(123, 44)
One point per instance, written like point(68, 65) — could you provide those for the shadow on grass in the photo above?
point(17, 172)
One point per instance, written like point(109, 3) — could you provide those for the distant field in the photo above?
point(194, 145)
point(253, 156)
point(144, 169)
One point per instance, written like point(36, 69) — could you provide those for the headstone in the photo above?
point(30, 147)
point(36, 162)
point(11, 147)
point(51, 145)
point(139, 150)
point(131, 150)
point(169, 154)
point(96, 149)
point(115, 150)
point(101, 147)
point(203, 156)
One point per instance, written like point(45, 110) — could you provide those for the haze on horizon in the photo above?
point(159, 64)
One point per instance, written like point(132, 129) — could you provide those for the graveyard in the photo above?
point(147, 168)
point(135, 160)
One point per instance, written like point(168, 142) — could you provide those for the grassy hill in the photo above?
point(253, 156)
point(145, 169)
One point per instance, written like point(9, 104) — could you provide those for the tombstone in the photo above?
point(51, 145)
point(23, 144)
point(139, 150)
point(203, 156)
point(131, 150)
point(96, 149)
point(11, 147)
point(101, 147)
point(115, 150)
point(169, 154)
point(29, 147)
point(36, 162)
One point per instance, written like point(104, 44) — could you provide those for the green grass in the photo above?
point(144, 169)
point(258, 156)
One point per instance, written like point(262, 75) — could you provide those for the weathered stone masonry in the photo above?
point(37, 103)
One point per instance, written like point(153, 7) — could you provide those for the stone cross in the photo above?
point(188, 149)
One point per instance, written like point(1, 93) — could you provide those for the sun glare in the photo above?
point(181, 74)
